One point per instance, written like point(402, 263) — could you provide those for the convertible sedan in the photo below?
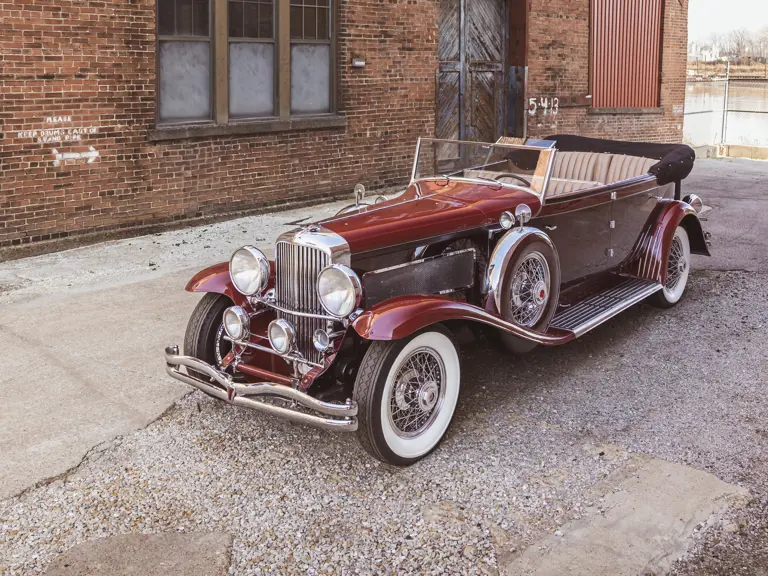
point(351, 326)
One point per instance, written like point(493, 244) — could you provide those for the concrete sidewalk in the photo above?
point(82, 334)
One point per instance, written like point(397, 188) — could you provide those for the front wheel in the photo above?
point(406, 393)
point(204, 338)
point(678, 270)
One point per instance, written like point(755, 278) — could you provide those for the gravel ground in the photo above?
point(531, 440)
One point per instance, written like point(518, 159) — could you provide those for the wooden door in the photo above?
point(470, 79)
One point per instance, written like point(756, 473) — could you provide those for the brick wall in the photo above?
point(558, 60)
point(94, 61)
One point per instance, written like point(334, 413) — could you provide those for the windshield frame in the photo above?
point(530, 144)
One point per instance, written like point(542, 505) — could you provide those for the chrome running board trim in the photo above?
point(341, 416)
point(593, 311)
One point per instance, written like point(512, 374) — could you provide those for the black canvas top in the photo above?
point(675, 160)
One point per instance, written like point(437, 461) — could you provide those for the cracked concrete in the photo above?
point(82, 334)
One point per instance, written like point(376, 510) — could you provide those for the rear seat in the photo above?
point(574, 171)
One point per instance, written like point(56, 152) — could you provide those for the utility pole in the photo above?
point(725, 103)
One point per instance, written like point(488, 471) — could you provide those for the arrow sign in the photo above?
point(91, 155)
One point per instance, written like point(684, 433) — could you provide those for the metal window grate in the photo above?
point(251, 19)
point(310, 20)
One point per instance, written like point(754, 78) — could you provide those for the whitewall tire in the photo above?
point(678, 271)
point(407, 393)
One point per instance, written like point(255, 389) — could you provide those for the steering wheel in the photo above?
point(515, 176)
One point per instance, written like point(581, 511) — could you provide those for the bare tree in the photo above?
point(738, 41)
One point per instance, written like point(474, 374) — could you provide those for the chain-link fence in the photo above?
point(726, 111)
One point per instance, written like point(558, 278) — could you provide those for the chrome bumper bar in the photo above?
point(333, 416)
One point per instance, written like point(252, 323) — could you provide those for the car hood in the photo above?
point(427, 209)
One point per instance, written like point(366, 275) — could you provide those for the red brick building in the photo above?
point(117, 114)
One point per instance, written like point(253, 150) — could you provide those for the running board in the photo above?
point(593, 311)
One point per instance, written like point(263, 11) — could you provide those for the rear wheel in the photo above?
point(204, 338)
point(406, 393)
point(678, 270)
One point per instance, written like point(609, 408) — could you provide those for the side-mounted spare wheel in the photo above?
point(406, 393)
point(204, 338)
point(530, 292)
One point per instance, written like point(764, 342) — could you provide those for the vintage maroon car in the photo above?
point(351, 325)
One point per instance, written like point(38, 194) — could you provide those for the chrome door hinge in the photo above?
point(613, 195)
point(613, 224)
point(609, 252)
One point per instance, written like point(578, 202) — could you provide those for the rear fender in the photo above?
point(648, 259)
point(403, 316)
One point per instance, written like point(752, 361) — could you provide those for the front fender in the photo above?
point(400, 317)
point(648, 259)
point(216, 279)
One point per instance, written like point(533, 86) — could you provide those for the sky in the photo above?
point(708, 16)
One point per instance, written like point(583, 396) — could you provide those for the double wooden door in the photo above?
point(471, 79)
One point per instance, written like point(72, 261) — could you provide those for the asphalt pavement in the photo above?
point(642, 446)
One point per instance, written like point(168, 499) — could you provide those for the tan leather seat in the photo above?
point(625, 167)
point(575, 171)
point(560, 186)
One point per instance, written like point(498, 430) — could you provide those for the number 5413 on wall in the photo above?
point(544, 105)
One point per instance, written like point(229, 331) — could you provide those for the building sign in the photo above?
point(58, 133)
point(545, 106)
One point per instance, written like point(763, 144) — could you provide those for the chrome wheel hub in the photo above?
point(529, 292)
point(417, 393)
point(428, 394)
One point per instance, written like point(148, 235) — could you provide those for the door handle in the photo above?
point(551, 227)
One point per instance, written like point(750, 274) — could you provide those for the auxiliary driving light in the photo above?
point(507, 220)
point(236, 322)
point(282, 336)
point(321, 340)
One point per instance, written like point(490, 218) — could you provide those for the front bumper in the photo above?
point(329, 416)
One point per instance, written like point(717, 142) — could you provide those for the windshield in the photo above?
point(511, 161)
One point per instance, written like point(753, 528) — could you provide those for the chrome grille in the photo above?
point(296, 270)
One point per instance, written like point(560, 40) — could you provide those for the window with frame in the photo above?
point(241, 60)
point(625, 53)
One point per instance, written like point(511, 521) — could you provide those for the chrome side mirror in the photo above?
point(523, 214)
point(695, 202)
point(359, 193)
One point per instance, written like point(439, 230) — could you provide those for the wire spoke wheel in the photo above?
point(221, 346)
point(530, 290)
point(677, 264)
point(418, 393)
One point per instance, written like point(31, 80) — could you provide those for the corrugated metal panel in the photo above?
point(626, 53)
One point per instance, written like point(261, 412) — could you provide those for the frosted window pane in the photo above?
point(251, 79)
point(185, 81)
point(310, 78)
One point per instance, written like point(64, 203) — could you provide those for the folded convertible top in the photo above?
point(675, 160)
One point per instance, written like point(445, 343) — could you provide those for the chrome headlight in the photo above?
point(281, 335)
point(236, 321)
point(339, 290)
point(249, 270)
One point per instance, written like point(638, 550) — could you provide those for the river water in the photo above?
point(747, 119)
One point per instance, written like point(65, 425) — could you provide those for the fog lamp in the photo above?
point(236, 322)
point(321, 340)
point(282, 336)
